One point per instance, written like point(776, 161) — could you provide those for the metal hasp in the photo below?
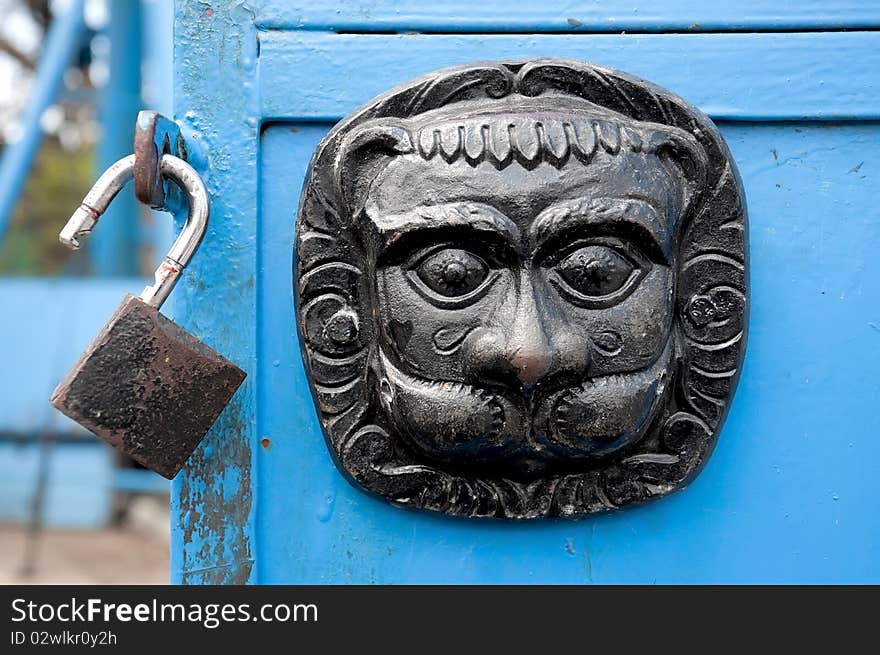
point(154, 136)
point(521, 290)
point(145, 385)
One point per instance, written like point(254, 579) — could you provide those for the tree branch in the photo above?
point(17, 54)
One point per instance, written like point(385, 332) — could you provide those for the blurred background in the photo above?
point(73, 76)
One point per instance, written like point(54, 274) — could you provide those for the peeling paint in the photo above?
point(212, 502)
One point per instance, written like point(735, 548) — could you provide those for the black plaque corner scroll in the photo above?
point(521, 290)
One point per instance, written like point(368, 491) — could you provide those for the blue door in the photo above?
point(788, 494)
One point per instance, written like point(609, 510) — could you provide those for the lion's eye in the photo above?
point(596, 272)
point(452, 272)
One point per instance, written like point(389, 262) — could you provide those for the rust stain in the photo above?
point(265, 442)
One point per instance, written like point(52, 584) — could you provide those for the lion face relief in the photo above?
point(518, 300)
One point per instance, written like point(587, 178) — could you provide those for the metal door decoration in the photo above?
point(521, 290)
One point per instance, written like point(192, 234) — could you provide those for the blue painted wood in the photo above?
point(786, 496)
point(79, 490)
point(215, 55)
point(565, 15)
point(754, 77)
point(139, 481)
point(47, 323)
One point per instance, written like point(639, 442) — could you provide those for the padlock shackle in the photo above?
point(96, 202)
point(190, 236)
point(111, 182)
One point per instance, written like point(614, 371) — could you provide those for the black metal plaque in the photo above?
point(521, 290)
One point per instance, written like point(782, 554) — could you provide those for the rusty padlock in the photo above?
point(145, 385)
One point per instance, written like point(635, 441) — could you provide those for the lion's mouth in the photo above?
point(465, 425)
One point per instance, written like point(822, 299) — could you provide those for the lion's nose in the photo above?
point(527, 345)
point(531, 360)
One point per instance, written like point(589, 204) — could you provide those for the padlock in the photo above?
point(145, 385)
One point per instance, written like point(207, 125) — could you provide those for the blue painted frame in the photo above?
point(565, 16)
point(787, 495)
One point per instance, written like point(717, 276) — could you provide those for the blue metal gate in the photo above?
point(787, 496)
